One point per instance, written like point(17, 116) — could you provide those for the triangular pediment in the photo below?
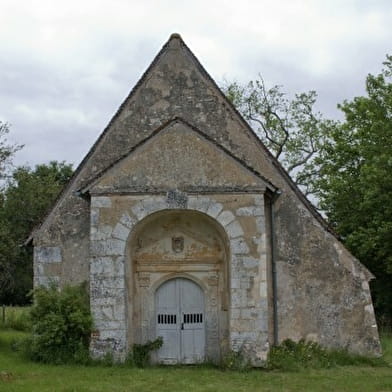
point(175, 85)
point(177, 156)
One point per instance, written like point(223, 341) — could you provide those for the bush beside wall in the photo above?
point(61, 325)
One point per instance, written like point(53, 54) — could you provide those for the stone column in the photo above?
point(249, 305)
point(107, 284)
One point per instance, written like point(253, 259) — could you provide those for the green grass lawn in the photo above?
point(18, 374)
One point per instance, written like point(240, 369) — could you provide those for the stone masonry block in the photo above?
point(101, 202)
point(199, 203)
point(116, 334)
point(245, 283)
point(102, 324)
point(250, 262)
point(260, 224)
point(214, 209)
point(100, 233)
point(121, 232)
point(246, 313)
point(109, 282)
point(39, 269)
point(99, 296)
point(119, 312)
point(239, 246)
point(47, 254)
point(109, 247)
point(94, 216)
point(139, 211)
point(234, 230)
point(263, 289)
point(103, 301)
point(127, 221)
point(103, 313)
point(259, 200)
point(176, 199)
point(107, 266)
point(225, 217)
point(235, 283)
point(250, 211)
point(153, 204)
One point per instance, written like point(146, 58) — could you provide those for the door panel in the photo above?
point(167, 321)
point(192, 311)
point(180, 321)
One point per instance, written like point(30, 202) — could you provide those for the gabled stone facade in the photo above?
point(179, 189)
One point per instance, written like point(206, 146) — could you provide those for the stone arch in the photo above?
point(205, 260)
point(114, 222)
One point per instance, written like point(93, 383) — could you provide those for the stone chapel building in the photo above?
point(186, 227)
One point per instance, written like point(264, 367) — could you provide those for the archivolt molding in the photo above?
point(205, 205)
point(108, 255)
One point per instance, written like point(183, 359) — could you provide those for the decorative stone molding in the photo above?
point(176, 199)
point(144, 279)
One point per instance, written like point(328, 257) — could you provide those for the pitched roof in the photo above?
point(175, 41)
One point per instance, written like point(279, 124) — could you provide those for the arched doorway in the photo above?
point(180, 321)
point(177, 286)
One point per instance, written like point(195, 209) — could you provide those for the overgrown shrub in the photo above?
point(61, 325)
point(235, 360)
point(292, 356)
point(140, 354)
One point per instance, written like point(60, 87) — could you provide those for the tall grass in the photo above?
point(296, 356)
point(15, 317)
point(18, 374)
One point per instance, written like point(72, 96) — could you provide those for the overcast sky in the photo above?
point(66, 66)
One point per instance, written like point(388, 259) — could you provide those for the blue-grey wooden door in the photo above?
point(180, 321)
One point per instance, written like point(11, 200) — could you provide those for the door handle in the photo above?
point(182, 325)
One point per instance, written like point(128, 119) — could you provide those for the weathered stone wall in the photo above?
point(242, 220)
point(322, 291)
point(47, 260)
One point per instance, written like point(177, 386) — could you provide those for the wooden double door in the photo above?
point(180, 320)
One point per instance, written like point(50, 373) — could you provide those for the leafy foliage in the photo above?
point(235, 361)
point(291, 129)
point(23, 204)
point(292, 356)
point(62, 325)
point(346, 166)
point(140, 354)
point(7, 150)
point(355, 183)
point(295, 356)
point(16, 317)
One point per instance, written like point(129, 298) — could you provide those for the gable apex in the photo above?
point(177, 85)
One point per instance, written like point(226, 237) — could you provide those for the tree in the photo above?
point(354, 185)
point(25, 200)
point(346, 166)
point(6, 150)
point(291, 129)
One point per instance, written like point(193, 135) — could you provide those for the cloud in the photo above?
point(67, 66)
